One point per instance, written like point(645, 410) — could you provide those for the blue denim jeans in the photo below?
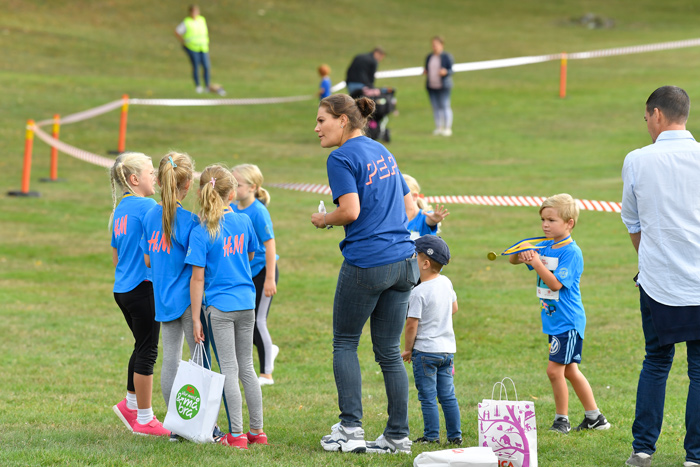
point(199, 59)
point(381, 295)
point(651, 390)
point(433, 375)
point(442, 111)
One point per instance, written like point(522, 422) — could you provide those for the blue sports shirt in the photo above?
point(419, 227)
point(127, 230)
point(228, 283)
point(326, 86)
point(566, 312)
point(171, 276)
point(262, 223)
point(379, 235)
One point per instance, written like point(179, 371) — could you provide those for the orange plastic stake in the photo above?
point(27, 167)
point(562, 76)
point(122, 124)
point(53, 174)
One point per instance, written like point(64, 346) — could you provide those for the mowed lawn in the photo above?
point(65, 344)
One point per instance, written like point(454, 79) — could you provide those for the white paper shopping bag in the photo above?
point(458, 457)
point(195, 400)
point(509, 428)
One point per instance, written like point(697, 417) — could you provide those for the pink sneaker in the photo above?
point(240, 442)
point(125, 414)
point(152, 428)
point(256, 439)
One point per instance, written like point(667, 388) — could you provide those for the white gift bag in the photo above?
point(195, 399)
point(459, 457)
point(509, 428)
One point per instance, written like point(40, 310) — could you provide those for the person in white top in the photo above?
point(430, 341)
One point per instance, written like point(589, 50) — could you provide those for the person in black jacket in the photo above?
point(438, 70)
point(362, 69)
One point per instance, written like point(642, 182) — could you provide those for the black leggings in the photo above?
point(140, 313)
point(261, 336)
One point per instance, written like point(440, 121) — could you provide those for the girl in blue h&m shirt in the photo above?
point(132, 174)
point(220, 250)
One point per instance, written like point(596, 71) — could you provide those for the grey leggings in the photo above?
point(232, 340)
point(173, 332)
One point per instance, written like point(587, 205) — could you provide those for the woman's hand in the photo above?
point(318, 219)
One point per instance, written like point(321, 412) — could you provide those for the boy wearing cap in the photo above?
point(430, 341)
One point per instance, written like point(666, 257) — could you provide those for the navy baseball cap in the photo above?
point(434, 247)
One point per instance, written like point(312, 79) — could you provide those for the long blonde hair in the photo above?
point(215, 185)
point(125, 165)
point(174, 172)
point(253, 176)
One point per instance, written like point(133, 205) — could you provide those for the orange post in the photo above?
point(562, 76)
point(27, 167)
point(122, 124)
point(53, 173)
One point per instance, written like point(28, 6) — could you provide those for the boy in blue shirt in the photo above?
point(558, 262)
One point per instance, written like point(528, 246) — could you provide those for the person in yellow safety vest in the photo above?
point(194, 36)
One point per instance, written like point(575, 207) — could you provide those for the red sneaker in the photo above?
point(125, 414)
point(152, 428)
point(256, 439)
point(240, 442)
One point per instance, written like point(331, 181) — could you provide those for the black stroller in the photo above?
point(385, 101)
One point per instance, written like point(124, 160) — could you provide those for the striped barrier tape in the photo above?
point(535, 201)
point(72, 150)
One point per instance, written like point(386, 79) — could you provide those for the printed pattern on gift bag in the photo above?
point(504, 426)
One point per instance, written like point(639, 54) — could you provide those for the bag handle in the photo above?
point(199, 356)
point(502, 389)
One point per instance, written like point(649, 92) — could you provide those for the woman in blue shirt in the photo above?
point(378, 273)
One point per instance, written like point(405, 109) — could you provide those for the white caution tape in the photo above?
point(536, 201)
point(72, 150)
point(208, 102)
point(84, 115)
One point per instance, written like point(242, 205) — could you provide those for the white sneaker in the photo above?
point(437, 131)
point(392, 446)
point(265, 381)
point(275, 353)
point(199, 89)
point(341, 440)
point(690, 464)
point(447, 132)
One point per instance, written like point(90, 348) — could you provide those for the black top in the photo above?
point(362, 69)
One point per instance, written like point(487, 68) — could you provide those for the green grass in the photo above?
point(65, 345)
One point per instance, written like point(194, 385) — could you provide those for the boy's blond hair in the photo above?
point(564, 204)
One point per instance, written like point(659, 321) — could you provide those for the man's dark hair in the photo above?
point(672, 101)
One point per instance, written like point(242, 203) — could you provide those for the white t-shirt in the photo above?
point(431, 302)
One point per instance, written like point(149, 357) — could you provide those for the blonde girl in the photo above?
point(220, 250)
point(422, 220)
point(132, 178)
point(252, 200)
point(166, 237)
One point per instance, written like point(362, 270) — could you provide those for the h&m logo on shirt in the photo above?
point(120, 225)
point(380, 167)
point(235, 247)
point(154, 245)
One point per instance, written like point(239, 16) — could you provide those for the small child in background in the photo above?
point(430, 341)
point(422, 220)
point(252, 200)
point(325, 88)
point(559, 266)
point(220, 250)
point(132, 177)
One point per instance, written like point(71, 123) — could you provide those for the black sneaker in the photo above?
point(599, 423)
point(455, 441)
point(561, 425)
point(217, 434)
point(176, 438)
point(424, 440)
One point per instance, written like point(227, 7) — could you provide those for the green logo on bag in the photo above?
point(187, 401)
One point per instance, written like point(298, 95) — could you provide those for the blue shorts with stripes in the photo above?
point(565, 348)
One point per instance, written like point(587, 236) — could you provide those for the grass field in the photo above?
point(65, 345)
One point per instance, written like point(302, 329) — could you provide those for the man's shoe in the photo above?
point(561, 425)
point(424, 440)
point(341, 440)
point(599, 423)
point(639, 459)
point(392, 446)
point(125, 414)
point(455, 441)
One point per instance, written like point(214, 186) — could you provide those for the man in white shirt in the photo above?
point(661, 209)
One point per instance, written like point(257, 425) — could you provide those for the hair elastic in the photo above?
point(170, 159)
point(213, 182)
